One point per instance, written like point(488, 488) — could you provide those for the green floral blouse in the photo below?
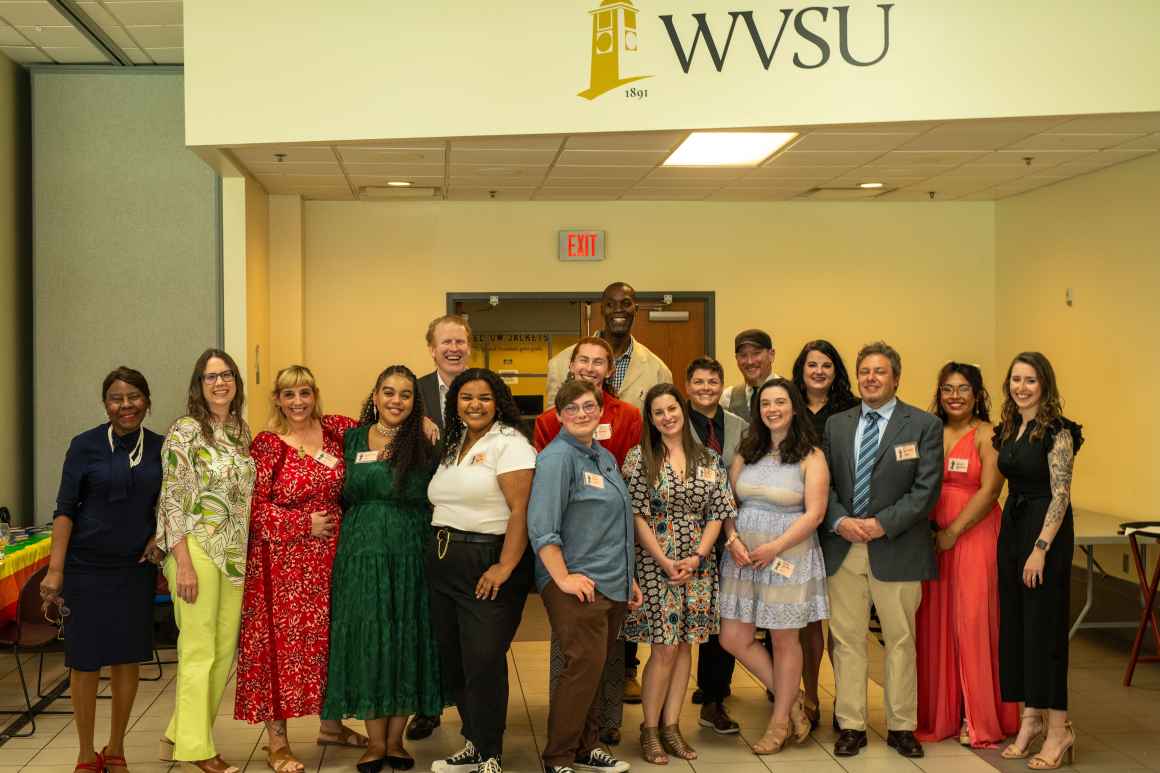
point(205, 492)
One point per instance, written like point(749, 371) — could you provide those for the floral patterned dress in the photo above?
point(677, 510)
point(285, 636)
point(205, 493)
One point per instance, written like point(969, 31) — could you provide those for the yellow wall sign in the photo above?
point(615, 43)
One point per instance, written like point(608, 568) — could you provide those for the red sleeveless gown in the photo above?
point(958, 621)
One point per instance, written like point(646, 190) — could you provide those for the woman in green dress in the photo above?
point(383, 658)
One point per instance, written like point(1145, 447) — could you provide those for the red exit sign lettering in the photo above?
point(581, 244)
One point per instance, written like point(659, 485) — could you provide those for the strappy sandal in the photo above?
point(96, 766)
point(813, 712)
point(283, 760)
point(166, 752)
point(214, 764)
point(1013, 752)
point(1039, 762)
point(774, 739)
point(112, 760)
point(675, 744)
point(798, 720)
point(349, 738)
point(650, 746)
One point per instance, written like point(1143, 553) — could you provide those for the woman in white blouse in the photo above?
point(479, 567)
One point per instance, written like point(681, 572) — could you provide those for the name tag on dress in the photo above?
point(958, 464)
point(323, 458)
point(707, 474)
point(479, 459)
point(904, 452)
point(364, 457)
point(603, 431)
point(593, 480)
point(782, 567)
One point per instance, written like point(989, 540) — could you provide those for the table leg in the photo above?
point(1089, 551)
point(1139, 558)
point(1147, 616)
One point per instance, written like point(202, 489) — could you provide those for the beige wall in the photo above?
point(15, 291)
point(918, 275)
point(259, 377)
point(1097, 235)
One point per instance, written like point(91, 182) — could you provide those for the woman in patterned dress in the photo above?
point(774, 576)
point(294, 521)
point(203, 519)
point(679, 493)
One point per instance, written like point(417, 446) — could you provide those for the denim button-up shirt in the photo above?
point(592, 524)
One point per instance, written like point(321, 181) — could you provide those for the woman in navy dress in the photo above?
point(100, 570)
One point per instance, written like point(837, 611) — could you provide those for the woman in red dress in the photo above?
point(294, 523)
point(958, 621)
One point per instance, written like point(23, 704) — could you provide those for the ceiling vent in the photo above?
point(844, 194)
point(390, 193)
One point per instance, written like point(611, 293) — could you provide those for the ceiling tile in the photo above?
point(729, 194)
point(1113, 123)
point(290, 167)
point(575, 194)
point(722, 174)
point(303, 180)
point(500, 157)
point(31, 14)
point(10, 36)
point(1053, 141)
point(656, 141)
point(992, 172)
point(404, 170)
point(828, 140)
point(136, 55)
point(663, 194)
point(122, 38)
point(65, 36)
point(166, 55)
point(281, 186)
point(456, 193)
point(601, 172)
point(951, 187)
point(25, 54)
point(928, 158)
point(796, 172)
point(893, 181)
point(76, 55)
point(360, 180)
point(1039, 160)
point(157, 36)
point(419, 154)
point(582, 182)
point(824, 157)
point(263, 154)
point(612, 157)
point(133, 13)
point(521, 178)
point(99, 15)
point(651, 182)
point(530, 142)
point(913, 194)
point(1151, 142)
point(337, 195)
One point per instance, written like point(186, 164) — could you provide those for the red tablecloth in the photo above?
point(21, 561)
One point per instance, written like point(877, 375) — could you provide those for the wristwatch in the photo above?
point(1042, 544)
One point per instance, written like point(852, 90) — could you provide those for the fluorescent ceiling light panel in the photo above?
point(870, 185)
point(399, 183)
point(728, 148)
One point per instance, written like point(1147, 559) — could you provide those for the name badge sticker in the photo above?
point(603, 431)
point(593, 480)
point(958, 464)
point(782, 567)
point(707, 474)
point(905, 452)
point(326, 459)
point(365, 457)
point(479, 458)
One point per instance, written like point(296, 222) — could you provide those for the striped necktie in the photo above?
point(867, 451)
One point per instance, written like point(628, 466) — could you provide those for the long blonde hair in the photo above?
point(288, 378)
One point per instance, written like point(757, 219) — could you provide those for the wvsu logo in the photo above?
point(614, 47)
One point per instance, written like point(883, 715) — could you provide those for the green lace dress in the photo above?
point(383, 658)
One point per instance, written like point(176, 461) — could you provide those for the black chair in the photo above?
point(1147, 530)
point(30, 633)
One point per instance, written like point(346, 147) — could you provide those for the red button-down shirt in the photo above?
point(624, 418)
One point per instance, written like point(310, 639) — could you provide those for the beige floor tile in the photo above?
point(892, 764)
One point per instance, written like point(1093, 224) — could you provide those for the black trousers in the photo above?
point(1033, 622)
point(474, 635)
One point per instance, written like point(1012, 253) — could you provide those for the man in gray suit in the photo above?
point(886, 460)
point(754, 351)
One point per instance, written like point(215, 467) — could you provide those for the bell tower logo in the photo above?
point(614, 47)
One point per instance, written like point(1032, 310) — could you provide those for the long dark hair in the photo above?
point(799, 440)
point(974, 377)
point(506, 410)
point(1050, 408)
point(197, 408)
point(652, 447)
point(409, 449)
point(841, 396)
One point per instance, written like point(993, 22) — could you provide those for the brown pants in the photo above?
point(587, 633)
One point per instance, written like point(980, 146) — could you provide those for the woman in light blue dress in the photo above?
point(773, 575)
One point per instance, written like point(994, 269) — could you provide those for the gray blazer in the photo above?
point(734, 427)
point(902, 493)
point(429, 390)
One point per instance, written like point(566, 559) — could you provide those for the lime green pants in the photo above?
point(206, 645)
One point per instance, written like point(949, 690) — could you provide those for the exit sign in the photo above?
point(577, 244)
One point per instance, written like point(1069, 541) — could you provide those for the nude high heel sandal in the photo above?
point(1039, 762)
point(776, 734)
point(1013, 752)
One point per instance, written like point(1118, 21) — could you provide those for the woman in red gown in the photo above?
point(294, 523)
point(958, 621)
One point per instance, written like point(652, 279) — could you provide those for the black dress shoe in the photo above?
point(374, 766)
point(849, 742)
point(400, 763)
point(698, 697)
point(904, 742)
point(420, 727)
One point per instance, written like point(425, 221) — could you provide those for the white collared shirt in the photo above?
point(466, 493)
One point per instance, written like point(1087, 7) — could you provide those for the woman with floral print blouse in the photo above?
point(203, 518)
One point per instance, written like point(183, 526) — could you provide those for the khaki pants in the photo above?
point(852, 589)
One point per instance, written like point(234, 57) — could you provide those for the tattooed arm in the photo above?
point(1060, 460)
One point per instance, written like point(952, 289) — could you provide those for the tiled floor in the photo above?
point(1117, 726)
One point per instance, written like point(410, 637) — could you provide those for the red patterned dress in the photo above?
point(285, 636)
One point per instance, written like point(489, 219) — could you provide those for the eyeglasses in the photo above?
point(572, 409)
point(963, 390)
point(226, 377)
point(62, 612)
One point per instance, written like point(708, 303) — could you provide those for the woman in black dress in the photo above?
point(100, 570)
point(1037, 448)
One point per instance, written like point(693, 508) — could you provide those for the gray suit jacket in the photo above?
point(429, 390)
point(902, 493)
point(734, 427)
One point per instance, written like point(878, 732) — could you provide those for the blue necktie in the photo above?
point(865, 468)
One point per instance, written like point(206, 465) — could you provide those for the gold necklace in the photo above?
point(386, 431)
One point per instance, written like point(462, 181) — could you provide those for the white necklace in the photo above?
point(138, 450)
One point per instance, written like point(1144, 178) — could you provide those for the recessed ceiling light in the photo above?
point(869, 185)
point(399, 183)
point(728, 148)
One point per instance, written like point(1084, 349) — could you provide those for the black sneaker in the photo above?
point(600, 761)
point(491, 765)
point(465, 760)
point(714, 715)
point(559, 769)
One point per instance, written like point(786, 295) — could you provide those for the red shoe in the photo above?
point(96, 766)
point(112, 760)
